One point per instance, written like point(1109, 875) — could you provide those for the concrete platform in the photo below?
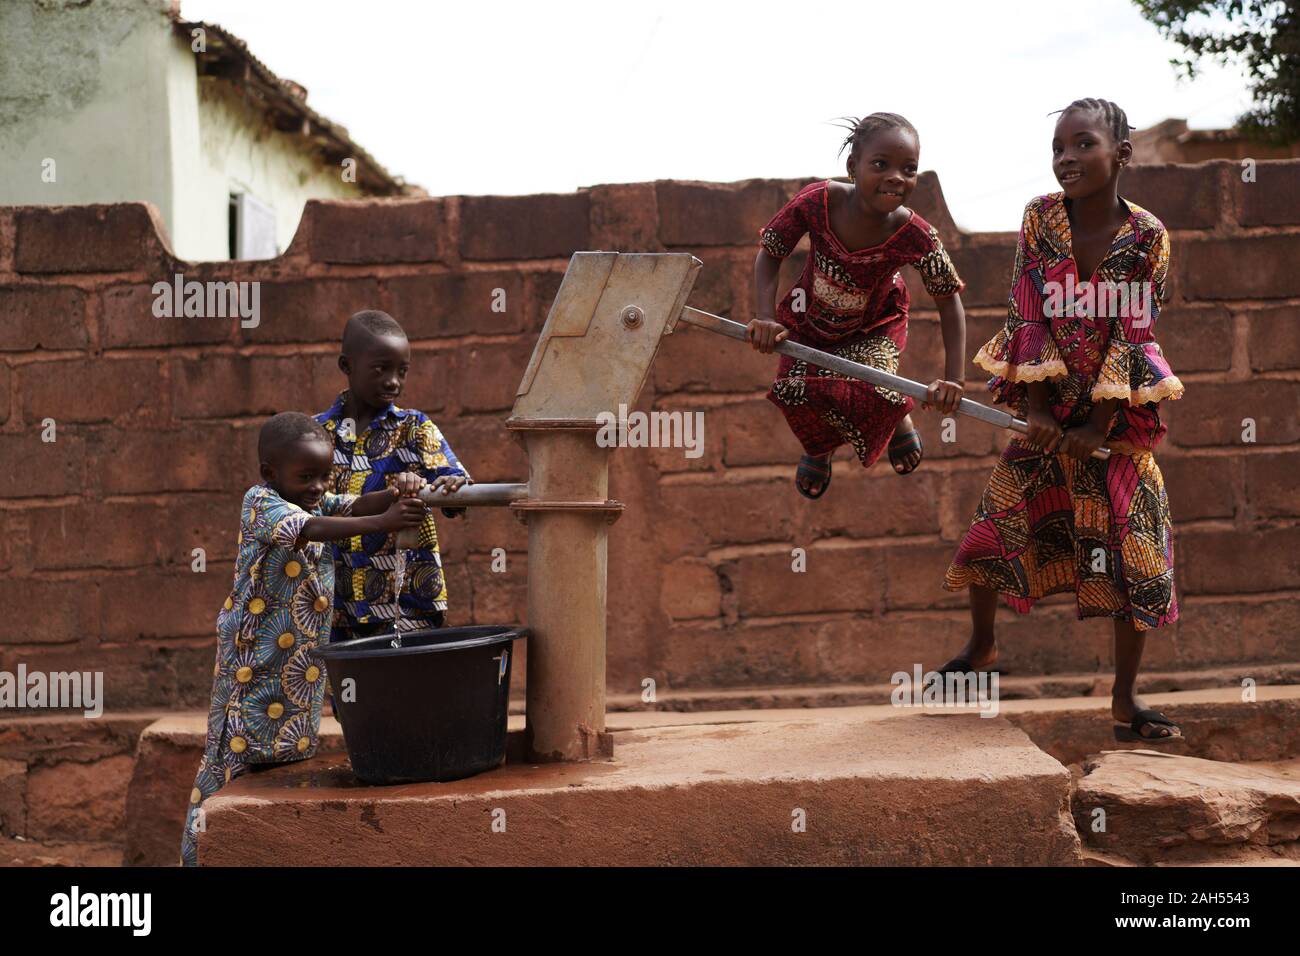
point(873, 788)
point(1220, 726)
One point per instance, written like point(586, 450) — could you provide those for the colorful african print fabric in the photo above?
point(268, 682)
point(1048, 523)
point(397, 440)
point(853, 304)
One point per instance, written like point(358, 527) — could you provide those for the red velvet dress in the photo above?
point(853, 304)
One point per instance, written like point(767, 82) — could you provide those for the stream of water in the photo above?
point(399, 578)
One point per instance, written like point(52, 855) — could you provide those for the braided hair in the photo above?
point(860, 130)
point(1115, 119)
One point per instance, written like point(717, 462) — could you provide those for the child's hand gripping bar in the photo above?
point(863, 373)
point(490, 494)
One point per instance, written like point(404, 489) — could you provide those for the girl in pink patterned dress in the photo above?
point(852, 301)
point(1079, 361)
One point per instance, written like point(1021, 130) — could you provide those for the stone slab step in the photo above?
point(1152, 807)
point(882, 789)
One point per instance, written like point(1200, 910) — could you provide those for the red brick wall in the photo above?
point(157, 418)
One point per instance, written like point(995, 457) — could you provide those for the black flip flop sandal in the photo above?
point(959, 665)
point(811, 471)
point(1133, 732)
point(901, 447)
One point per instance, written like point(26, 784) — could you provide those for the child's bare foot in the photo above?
point(905, 447)
point(1124, 707)
point(814, 475)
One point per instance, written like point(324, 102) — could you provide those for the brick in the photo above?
point(31, 467)
point(716, 280)
point(720, 214)
point(157, 603)
point(929, 203)
point(754, 433)
point(1272, 338)
point(230, 386)
point(378, 230)
point(122, 237)
point(1180, 195)
point(5, 378)
point(486, 377)
point(208, 457)
point(914, 574)
point(695, 518)
point(1200, 486)
point(690, 589)
point(309, 310)
point(984, 267)
point(1210, 561)
point(481, 530)
point(42, 611)
point(328, 380)
point(1271, 489)
point(1273, 198)
point(541, 289)
point(42, 317)
point(450, 304)
point(980, 328)
point(1244, 267)
point(1236, 633)
point(506, 228)
point(492, 597)
point(13, 797)
point(127, 321)
point(625, 218)
point(1212, 413)
point(753, 652)
point(486, 448)
point(968, 437)
point(1196, 339)
point(836, 579)
point(91, 390)
point(864, 503)
point(707, 440)
point(693, 360)
point(136, 676)
point(76, 801)
point(923, 355)
point(133, 533)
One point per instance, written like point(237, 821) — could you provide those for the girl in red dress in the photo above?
point(852, 301)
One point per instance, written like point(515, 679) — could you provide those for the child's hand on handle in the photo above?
point(1043, 431)
point(1082, 440)
point(449, 483)
point(944, 396)
point(765, 335)
point(408, 484)
point(403, 513)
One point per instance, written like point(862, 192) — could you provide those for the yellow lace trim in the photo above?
point(1037, 372)
point(1167, 388)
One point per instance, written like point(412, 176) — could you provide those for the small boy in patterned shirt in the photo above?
point(268, 681)
point(375, 442)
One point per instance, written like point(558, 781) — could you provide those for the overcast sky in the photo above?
point(522, 97)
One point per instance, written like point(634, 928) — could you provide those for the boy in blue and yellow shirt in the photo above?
point(374, 442)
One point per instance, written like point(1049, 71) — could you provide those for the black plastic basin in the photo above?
point(433, 709)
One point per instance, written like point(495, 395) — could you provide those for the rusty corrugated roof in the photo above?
point(285, 104)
